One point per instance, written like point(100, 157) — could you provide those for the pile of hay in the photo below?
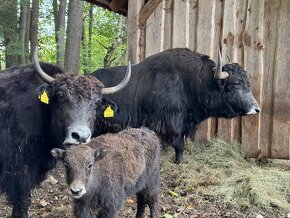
point(219, 171)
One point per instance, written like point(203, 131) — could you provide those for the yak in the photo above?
point(173, 91)
point(42, 107)
point(102, 173)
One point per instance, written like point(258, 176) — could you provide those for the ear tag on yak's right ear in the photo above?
point(44, 97)
point(108, 112)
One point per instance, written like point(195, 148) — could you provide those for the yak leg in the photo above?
point(81, 210)
point(150, 199)
point(19, 195)
point(178, 144)
point(153, 205)
point(140, 205)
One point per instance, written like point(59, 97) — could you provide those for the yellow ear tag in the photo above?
point(44, 97)
point(108, 112)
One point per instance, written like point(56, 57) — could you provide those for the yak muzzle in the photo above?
point(78, 135)
point(76, 191)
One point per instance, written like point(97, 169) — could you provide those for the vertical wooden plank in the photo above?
point(253, 39)
point(134, 30)
point(206, 40)
point(154, 30)
point(192, 24)
point(229, 37)
point(280, 143)
point(180, 23)
point(159, 28)
point(240, 11)
point(167, 24)
point(271, 8)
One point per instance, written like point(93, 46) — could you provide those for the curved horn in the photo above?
point(114, 89)
point(46, 78)
point(219, 74)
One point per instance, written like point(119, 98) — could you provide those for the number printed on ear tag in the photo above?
point(44, 97)
point(108, 112)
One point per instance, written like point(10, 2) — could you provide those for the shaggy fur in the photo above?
point(129, 166)
point(172, 92)
point(30, 128)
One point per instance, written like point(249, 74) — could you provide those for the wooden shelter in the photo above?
point(254, 33)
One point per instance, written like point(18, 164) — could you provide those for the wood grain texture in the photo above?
point(271, 11)
point(134, 31)
point(281, 97)
point(252, 39)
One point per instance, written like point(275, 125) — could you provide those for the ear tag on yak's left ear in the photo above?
point(108, 112)
point(44, 97)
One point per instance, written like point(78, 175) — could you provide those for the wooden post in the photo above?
point(252, 38)
point(281, 81)
point(134, 30)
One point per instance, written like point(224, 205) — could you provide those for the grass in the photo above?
point(219, 171)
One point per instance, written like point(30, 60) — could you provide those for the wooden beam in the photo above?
point(134, 31)
point(147, 10)
point(116, 5)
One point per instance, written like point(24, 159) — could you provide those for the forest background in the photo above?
point(73, 34)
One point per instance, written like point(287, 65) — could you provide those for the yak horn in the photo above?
point(219, 74)
point(46, 78)
point(114, 89)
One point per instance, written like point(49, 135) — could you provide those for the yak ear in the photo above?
point(39, 90)
point(58, 153)
point(100, 153)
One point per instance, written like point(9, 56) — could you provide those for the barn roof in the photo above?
point(118, 6)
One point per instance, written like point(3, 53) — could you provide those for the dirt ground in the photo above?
point(50, 200)
point(178, 198)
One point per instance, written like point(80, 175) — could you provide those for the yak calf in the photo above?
point(101, 174)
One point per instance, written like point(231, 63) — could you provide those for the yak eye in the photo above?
point(65, 164)
point(90, 166)
point(236, 83)
point(98, 101)
point(60, 94)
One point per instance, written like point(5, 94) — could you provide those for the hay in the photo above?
point(219, 170)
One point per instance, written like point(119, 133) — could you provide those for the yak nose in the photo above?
point(76, 192)
point(81, 137)
point(77, 135)
point(254, 110)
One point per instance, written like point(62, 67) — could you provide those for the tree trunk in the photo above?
point(108, 59)
point(59, 22)
point(22, 29)
point(91, 20)
point(10, 32)
point(27, 33)
point(55, 16)
point(85, 49)
point(34, 26)
point(73, 42)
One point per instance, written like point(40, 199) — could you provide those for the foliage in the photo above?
point(104, 30)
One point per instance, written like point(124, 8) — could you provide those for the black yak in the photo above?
point(29, 128)
point(173, 91)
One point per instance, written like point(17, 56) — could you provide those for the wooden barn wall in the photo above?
point(254, 33)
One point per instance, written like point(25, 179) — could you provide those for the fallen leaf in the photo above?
point(167, 215)
point(174, 194)
point(43, 203)
point(130, 201)
point(51, 180)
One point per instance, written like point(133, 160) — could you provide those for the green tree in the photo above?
point(9, 25)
